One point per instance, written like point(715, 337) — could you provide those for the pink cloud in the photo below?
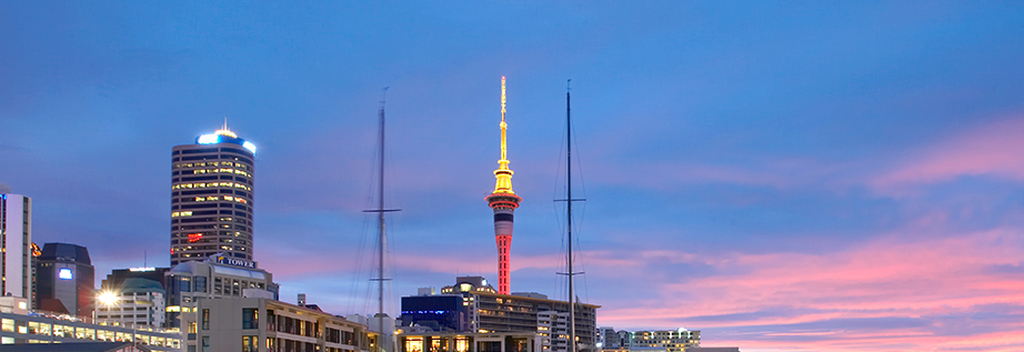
point(924, 280)
point(990, 150)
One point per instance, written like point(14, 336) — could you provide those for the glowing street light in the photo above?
point(107, 298)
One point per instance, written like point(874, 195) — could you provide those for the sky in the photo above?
point(783, 176)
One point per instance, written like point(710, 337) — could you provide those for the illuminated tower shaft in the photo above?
point(504, 202)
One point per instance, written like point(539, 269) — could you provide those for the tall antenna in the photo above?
point(381, 238)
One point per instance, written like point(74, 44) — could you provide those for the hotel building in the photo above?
point(212, 197)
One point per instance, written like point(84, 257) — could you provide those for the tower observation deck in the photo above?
point(504, 202)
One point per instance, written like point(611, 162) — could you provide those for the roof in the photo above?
point(65, 252)
point(141, 285)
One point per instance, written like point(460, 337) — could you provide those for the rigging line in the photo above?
point(362, 271)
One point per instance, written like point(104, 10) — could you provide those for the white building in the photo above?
point(15, 245)
point(139, 303)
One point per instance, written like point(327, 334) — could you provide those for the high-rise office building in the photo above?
point(65, 279)
point(15, 245)
point(212, 197)
point(504, 202)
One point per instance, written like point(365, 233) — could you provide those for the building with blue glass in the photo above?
point(212, 197)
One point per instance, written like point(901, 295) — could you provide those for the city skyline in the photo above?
point(782, 177)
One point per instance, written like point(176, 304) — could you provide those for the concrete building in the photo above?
point(212, 197)
point(20, 325)
point(65, 279)
point(262, 324)
point(217, 276)
point(15, 245)
point(137, 302)
point(487, 311)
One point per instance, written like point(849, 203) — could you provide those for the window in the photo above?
point(200, 285)
point(206, 321)
point(250, 343)
point(250, 319)
point(206, 344)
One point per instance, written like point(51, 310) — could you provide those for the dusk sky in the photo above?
point(781, 176)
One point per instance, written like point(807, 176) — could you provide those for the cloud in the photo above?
point(887, 294)
point(991, 150)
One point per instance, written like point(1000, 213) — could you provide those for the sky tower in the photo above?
point(504, 202)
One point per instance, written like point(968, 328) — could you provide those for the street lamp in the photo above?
point(107, 299)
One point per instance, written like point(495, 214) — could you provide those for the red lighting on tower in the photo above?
point(504, 202)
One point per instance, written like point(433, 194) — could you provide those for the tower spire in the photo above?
point(504, 202)
point(503, 174)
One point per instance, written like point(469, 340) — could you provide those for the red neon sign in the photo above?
point(194, 237)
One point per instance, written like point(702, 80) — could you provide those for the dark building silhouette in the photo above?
point(115, 280)
point(64, 279)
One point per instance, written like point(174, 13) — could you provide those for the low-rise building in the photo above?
point(671, 340)
point(217, 276)
point(138, 302)
point(474, 306)
point(263, 324)
point(20, 325)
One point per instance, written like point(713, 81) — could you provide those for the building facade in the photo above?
point(20, 325)
point(262, 324)
point(137, 303)
point(553, 329)
point(218, 276)
point(424, 341)
point(64, 279)
point(212, 197)
point(671, 340)
point(16, 245)
point(678, 340)
point(488, 311)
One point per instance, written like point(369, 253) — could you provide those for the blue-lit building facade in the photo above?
point(212, 197)
point(444, 312)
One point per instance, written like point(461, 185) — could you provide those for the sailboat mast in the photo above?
point(568, 208)
point(380, 235)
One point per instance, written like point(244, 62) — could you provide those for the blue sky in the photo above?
point(784, 176)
